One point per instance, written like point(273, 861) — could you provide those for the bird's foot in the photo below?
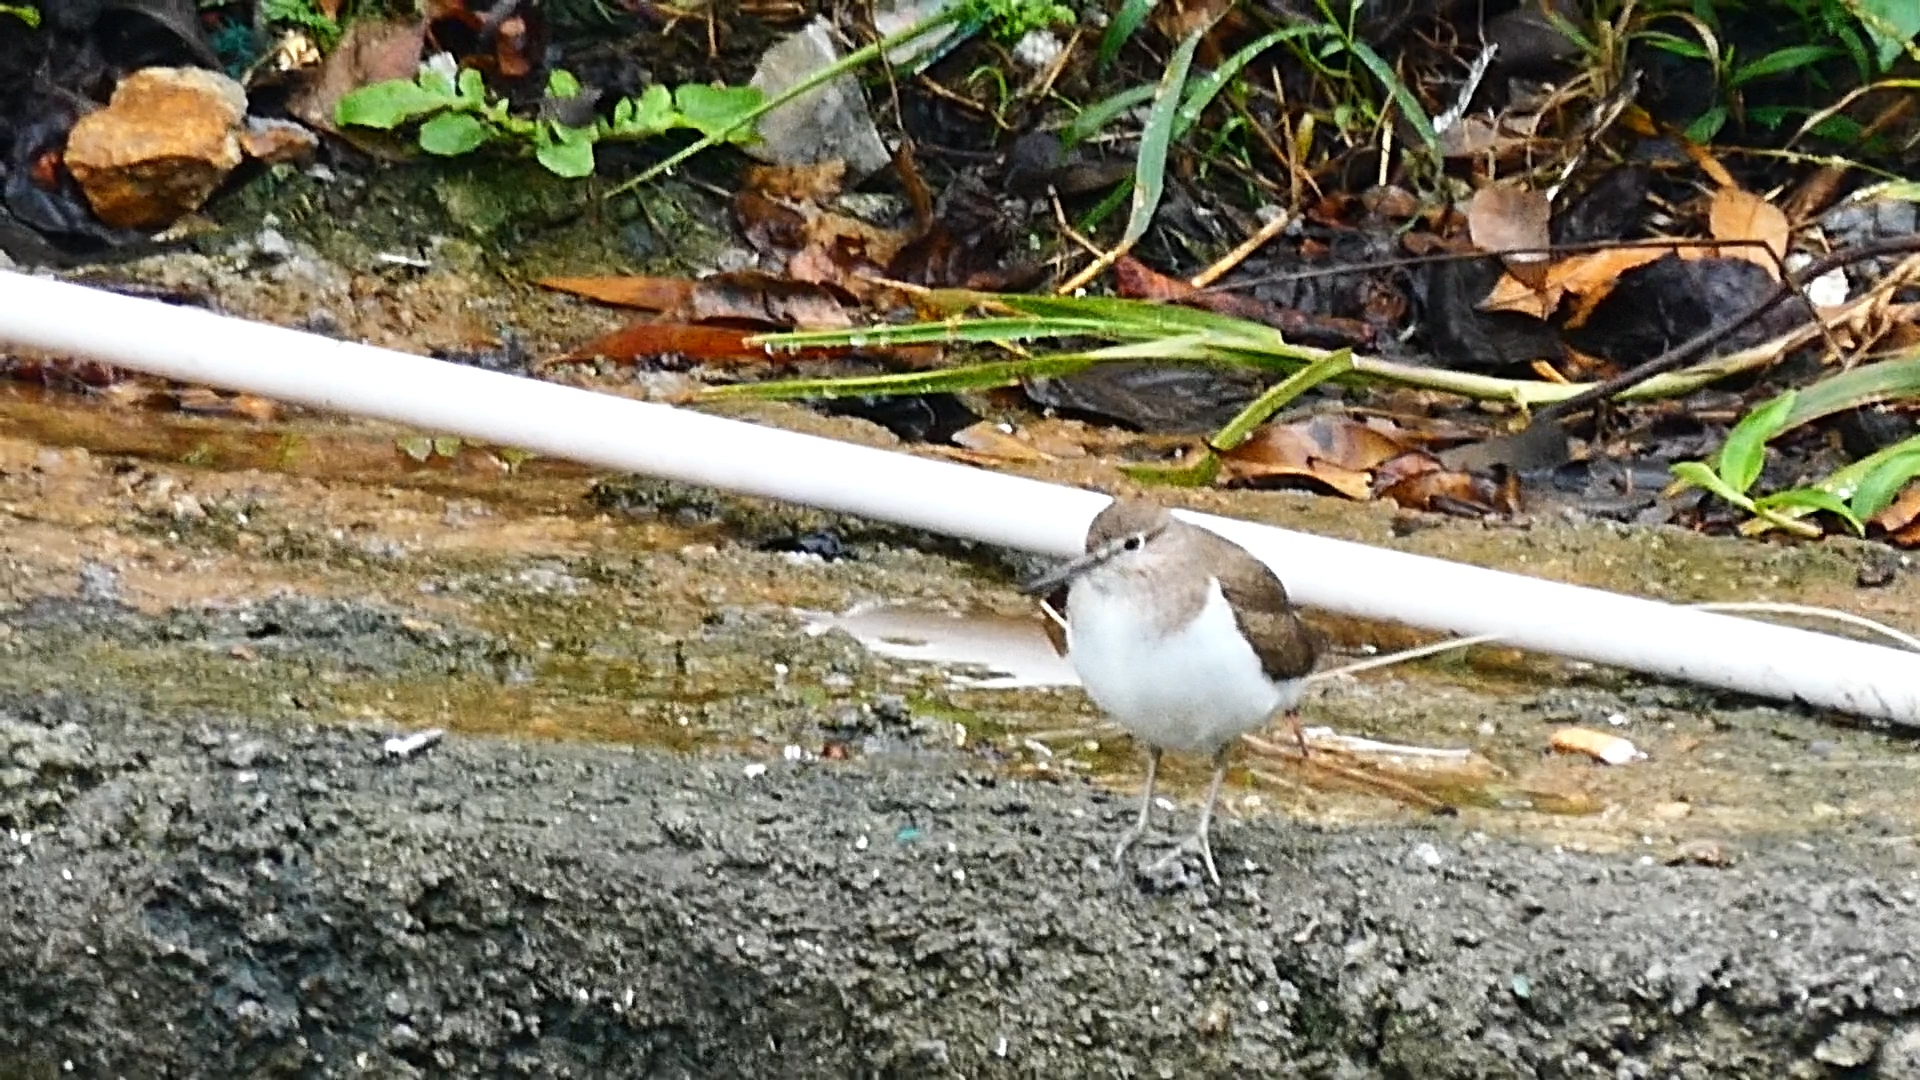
point(1127, 840)
point(1195, 842)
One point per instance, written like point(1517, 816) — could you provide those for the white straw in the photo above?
point(1771, 661)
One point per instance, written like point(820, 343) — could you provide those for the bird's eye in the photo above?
point(1132, 543)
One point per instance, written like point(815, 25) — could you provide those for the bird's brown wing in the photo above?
point(1286, 647)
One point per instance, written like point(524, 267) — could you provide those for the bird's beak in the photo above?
point(1064, 573)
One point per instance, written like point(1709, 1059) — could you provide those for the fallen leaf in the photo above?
point(704, 344)
point(645, 293)
point(1512, 294)
point(1900, 514)
point(1741, 215)
point(1418, 481)
point(1135, 280)
point(769, 226)
point(1333, 451)
point(1482, 137)
point(985, 437)
point(1505, 217)
point(754, 297)
point(816, 183)
point(372, 50)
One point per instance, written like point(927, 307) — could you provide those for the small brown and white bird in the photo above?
point(1185, 639)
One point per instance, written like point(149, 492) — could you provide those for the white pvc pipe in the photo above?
point(1648, 636)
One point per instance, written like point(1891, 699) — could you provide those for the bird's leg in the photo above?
point(1299, 736)
point(1200, 840)
point(1131, 836)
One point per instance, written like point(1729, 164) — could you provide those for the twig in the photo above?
point(1239, 254)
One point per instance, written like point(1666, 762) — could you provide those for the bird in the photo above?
point(1185, 639)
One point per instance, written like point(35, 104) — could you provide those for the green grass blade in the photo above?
point(1202, 91)
point(1150, 171)
point(935, 333)
point(1202, 471)
point(986, 376)
point(1276, 398)
point(1125, 23)
point(1410, 106)
point(1101, 113)
point(1867, 384)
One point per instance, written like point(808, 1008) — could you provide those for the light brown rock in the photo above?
point(278, 142)
point(161, 146)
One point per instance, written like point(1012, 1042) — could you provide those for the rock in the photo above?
point(830, 122)
point(1900, 1055)
point(278, 142)
point(1850, 1046)
point(163, 144)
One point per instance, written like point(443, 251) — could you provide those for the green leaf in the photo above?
point(1676, 45)
point(417, 447)
point(471, 89)
point(436, 81)
point(1745, 451)
point(1125, 21)
point(453, 133)
point(1810, 499)
point(1788, 59)
point(1878, 488)
point(387, 105)
point(570, 156)
point(562, 84)
point(718, 111)
point(1890, 23)
point(1696, 474)
point(446, 445)
point(649, 114)
point(1707, 125)
point(23, 12)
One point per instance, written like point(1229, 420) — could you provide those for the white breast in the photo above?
point(1194, 689)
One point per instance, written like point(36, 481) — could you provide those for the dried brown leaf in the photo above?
point(1333, 451)
point(816, 183)
point(985, 437)
point(1418, 481)
point(644, 293)
point(1741, 215)
point(372, 50)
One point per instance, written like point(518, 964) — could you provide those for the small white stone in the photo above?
point(755, 771)
point(1037, 49)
